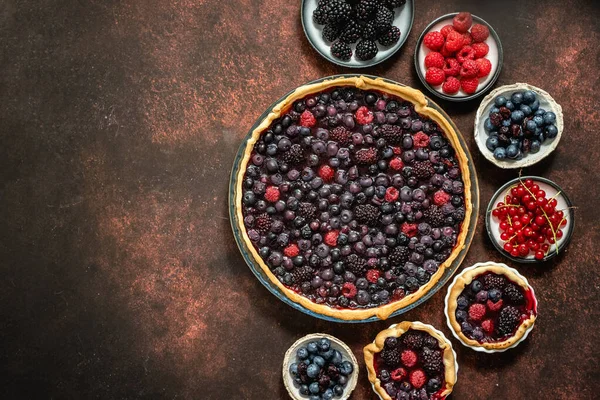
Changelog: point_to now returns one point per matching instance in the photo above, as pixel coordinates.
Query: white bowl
(479, 348)
(336, 344)
(546, 102)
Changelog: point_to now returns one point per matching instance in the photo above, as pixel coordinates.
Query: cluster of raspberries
(457, 57)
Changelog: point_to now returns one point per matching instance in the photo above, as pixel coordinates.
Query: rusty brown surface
(119, 124)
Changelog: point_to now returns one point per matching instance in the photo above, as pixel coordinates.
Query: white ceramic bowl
(479, 348)
(546, 102)
(336, 344)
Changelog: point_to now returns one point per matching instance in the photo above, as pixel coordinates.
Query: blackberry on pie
(352, 220)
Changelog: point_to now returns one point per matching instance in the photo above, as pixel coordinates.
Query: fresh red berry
(435, 76)
(417, 378)
(272, 194)
(469, 69)
(373, 275)
(481, 49)
(396, 164)
(467, 39)
(480, 32)
(488, 326)
(446, 30)
(307, 119)
(420, 139)
(466, 53)
(469, 85)
(485, 67)
(440, 198)
(494, 306)
(434, 59)
(539, 255)
(397, 150)
(446, 53)
(398, 374)
(452, 67)
(331, 238)
(477, 311)
(409, 358)
(433, 40)
(292, 250)
(451, 86)
(409, 230)
(391, 194)
(454, 41)
(326, 173)
(363, 115)
(462, 22)
(349, 290)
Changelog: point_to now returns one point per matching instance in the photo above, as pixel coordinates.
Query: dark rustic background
(119, 123)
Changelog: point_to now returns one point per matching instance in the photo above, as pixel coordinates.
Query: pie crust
(465, 279)
(421, 107)
(450, 371)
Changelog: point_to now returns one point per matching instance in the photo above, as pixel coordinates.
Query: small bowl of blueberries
(319, 367)
(518, 125)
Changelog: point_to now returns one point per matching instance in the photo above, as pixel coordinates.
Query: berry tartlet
(354, 197)
(411, 360)
(458, 56)
(490, 307)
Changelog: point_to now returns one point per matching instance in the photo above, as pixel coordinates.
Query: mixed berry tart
(353, 194)
(491, 307)
(411, 360)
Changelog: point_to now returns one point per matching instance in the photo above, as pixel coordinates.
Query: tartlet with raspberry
(411, 360)
(490, 307)
(354, 198)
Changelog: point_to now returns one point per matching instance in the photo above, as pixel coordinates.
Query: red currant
(526, 198)
(523, 250)
(559, 234)
(534, 188)
(545, 247)
(531, 205)
(540, 220)
(508, 247)
(503, 225)
(504, 236)
(539, 255)
(514, 252)
(528, 182)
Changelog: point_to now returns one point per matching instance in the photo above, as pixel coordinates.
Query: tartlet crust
(450, 373)
(420, 102)
(465, 279)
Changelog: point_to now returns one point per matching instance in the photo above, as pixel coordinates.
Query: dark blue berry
(512, 151)
(549, 118)
(476, 286)
(500, 153)
(491, 143)
(517, 98)
(500, 101)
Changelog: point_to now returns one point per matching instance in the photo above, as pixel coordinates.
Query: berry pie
(491, 306)
(352, 196)
(411, 360)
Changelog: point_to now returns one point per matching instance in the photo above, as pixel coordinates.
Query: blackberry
(513, 294)
(365, 9)
(391, 133)
(367, 214)
(390, 37)
(356, 265)
(399, 255)
(434, 216)
(394, 3)
(432, 361)
(263, 223)
(366, 156)
(423, 169)
(306, 210)
(331, 32)
(366, 50)
(351, 32)
(493, 281)
(413, 340)
(338, 11)
(302, 274)
(370, 31)
(391, 357)
(508, 320)
(383, 19)
(341, 135)
(341, 51)
(294, 155)
(321, 13)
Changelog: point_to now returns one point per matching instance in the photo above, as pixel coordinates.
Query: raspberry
(373, 275)
(307, 119)
(433, 40)
(292, 250)
(396, 164)
(454, 41)
(434, 59)
(467, 39)
(417, 378)
(331, 238)
(409, 358)
(409, 230)
(481, 49)
(326, 173)
(469, 69)
(466, 53)
(446, 53)
(469, 85)
(435, 76)
(420, 140)
(363, 115)
(451, 86)
(391, 194)
(272, 194)
(494, 306)
(446, 30)
(488, 326)
(397, 150)
(462, 22)
(398, 374)
(452, 67)
(485, 67)
(477, 312)
(349, 290)
(440, 198)
(480, 33)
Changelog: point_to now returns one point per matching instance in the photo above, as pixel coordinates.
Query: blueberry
(476, 286)
(491, 143)
(327, 354)
(314, 397)
(304, 390)
(526, 110)
(494, 295)
(529, 96)
(540, 111)
(517, 116)
(510, 105)
(551, 131)
(328, 394)
(549, 118)
(302, 353)
(433, 385)
(512, 151)
(337, 358)
(517, 98)
(488, 125)
(346, 368)
(531, 125)
(466, 327)
(313, 370)
(500, 153)
(320, 361)
(338, 390)
(482, 296)
(538, 120)
(314, 388)
(535, 146)
(477, 333)
(461, 315)
(294, 369)
(462, 303)
(500, 101)
(506, 123)
(535, 105)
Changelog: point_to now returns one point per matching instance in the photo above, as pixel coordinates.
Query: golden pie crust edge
(465, 279)
(450, 373)
(364, 83)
